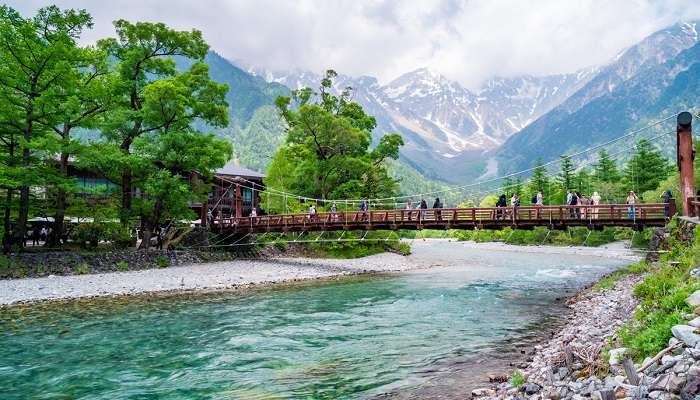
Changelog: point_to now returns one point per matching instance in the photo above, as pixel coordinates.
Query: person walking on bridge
(437, 206)
(364, 207)
(501, 205)
(632, 199)
(409, 208)
(595, 200)
(515, 203)
(423, 209)
(334, 212)
(539, 202)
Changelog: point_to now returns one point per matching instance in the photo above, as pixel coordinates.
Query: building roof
(232, 169)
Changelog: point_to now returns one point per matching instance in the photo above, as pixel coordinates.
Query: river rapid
(392, 335)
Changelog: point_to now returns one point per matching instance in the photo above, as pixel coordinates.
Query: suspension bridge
(389, 214)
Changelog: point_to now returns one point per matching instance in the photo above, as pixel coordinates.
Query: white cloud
(467, 41)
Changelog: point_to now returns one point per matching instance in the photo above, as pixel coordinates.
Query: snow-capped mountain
(441, 120)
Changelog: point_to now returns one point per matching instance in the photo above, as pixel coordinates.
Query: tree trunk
(21, 226)
(150, 223)
(59, 217)
(6, 236)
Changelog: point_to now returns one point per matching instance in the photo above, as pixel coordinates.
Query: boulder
(694, 299)
(531, 388)
(695, 322)
(617, 355)
(691, 388)
(686, 334)
(695, 273)
(697, 310)
(676, 384)
(661, 383)
(483, 392)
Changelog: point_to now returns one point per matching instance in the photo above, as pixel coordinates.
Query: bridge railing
(541, 215)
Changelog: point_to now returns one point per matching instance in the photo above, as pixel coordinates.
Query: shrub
(122, 266)
(162, 261)
(517, 378)
(82, 269)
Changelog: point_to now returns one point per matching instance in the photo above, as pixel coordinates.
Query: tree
(86, 89)
(327, 153)
(647, 168)
(35, 55)
(582, 182)
(605, 169)
(144, 55)
(566, 175)
(539, 180)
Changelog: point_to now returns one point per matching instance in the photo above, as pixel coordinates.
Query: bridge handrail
(467, 214)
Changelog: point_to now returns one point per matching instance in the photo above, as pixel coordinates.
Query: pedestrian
(159, 238)
(667, 196)
(43, 234)
(437, 205)
(515, 203)
(36, 235)
(501, 205)
(409, 208)
(585, 202)
(364, 207)
(632, 199)
(334, 212)
(423, 209)
(210, 217)
(539, 202)
(595, 200)
(577, 199)
(254, 215)
(312, 213)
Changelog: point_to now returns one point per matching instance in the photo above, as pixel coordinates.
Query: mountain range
(455, 135)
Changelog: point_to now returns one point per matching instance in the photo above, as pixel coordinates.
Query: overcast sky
(467, 41)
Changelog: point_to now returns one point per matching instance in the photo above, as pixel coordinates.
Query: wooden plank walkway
(553, 217)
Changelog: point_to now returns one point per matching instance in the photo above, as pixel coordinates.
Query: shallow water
(353, 338)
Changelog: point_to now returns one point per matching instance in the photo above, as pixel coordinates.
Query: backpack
(534, 199)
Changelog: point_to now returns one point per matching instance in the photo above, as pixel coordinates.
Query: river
(362, 337)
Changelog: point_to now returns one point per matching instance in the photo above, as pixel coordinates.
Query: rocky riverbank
(570, 366)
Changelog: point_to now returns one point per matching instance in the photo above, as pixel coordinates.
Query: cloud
(468, 41)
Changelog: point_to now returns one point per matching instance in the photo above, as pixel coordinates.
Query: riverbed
(358, 337)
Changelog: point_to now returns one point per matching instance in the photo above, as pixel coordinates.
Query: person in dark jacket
(500, 206)
(437, 206)
(423, 208)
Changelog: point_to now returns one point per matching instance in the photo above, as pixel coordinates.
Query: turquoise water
(353, 338)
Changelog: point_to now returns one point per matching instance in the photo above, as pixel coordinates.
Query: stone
(681, 367)
(692, 353)
(695, 273)
(676, 384)
(483, 392)
(697, 310)
(695, 322)
(658, 395)
(617, 355)
(686, 334)
(694, 370)
(660, 383)
(531, 388)
(694, 299)
(691, 388)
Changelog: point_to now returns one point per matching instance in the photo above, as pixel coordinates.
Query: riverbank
(228, 275)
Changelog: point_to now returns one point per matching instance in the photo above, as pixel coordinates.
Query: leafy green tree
(566, 175)
(87, 92)
(582, 182)
(605, 169)
(144, 53)
(539, 181)
(35, 56)
(327, 153)
(647, 168)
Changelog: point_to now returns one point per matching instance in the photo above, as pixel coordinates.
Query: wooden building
(235, 191)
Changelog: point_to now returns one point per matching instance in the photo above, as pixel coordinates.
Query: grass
(162, 262)
(662, 304)
(82, 269)
(122, 266)
(517, 379)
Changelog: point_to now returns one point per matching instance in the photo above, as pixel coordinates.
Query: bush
(517, 379)
(162, 261)
(82, 269)
(88, 235)
(122, 266)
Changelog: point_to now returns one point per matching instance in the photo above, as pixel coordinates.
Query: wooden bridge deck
(554, 217)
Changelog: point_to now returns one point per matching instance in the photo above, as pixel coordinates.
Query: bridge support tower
(684, 158)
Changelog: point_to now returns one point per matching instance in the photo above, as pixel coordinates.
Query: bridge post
(684, 159)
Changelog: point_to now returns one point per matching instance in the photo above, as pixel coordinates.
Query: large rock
(695, 322)
(676, 383)
(483, 392)
(691, 388)
(686, 334)
(617, 355)
(661, 383)
(531, 388)
(694, 299)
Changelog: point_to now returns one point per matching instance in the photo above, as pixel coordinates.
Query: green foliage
(609, 281)
(122, 266)
(162, 261)
(82, 269)
(605, 169)
(327, 153)
(662, 296)
(566, 175)
(517, 379)
(647, 168)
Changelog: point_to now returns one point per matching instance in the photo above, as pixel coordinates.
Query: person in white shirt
(595, 199)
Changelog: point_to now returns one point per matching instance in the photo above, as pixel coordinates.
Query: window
(247, 197)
